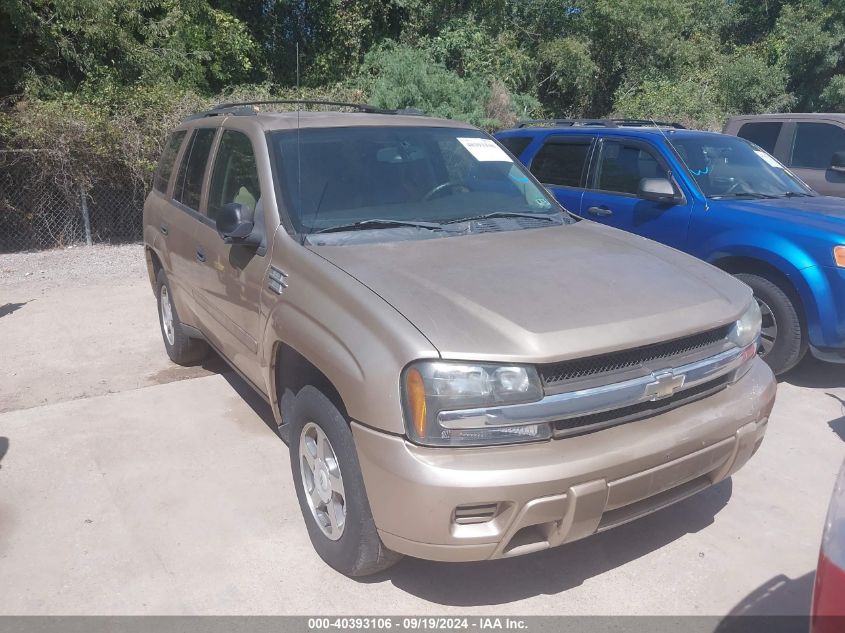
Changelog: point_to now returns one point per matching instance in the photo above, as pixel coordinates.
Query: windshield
(336, 178)
(730, 167)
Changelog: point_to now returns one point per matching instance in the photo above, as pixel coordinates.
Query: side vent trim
(277, 281)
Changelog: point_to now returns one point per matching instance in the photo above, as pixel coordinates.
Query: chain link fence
(43, 208)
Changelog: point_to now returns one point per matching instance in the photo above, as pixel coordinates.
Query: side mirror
(837, 163)
(658, 190)
(233, 223)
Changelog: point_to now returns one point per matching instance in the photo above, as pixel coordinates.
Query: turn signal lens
(416, 399)
(839, 256)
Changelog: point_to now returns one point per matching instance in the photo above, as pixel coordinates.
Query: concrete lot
(131, 486)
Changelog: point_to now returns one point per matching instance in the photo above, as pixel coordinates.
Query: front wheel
(783, 341)
(330, 488)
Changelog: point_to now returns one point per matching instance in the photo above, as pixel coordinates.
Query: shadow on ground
(4, 448)
(814, 373)
(211, 364)
(258, 404)
(554, 571)
(8, 308)
(779, 596)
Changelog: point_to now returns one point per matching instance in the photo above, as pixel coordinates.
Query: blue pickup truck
(717, 197)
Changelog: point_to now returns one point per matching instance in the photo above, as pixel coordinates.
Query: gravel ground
(80, 322)
(80, 265)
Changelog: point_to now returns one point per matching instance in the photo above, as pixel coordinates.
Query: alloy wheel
(322, 481)
(769, 330)
(167, 315)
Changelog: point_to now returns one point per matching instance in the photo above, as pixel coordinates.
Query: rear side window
(235, 175)
(763, 134)
(165, 163)
(621, 167)
(516, 144)
(815, 143)
(192, 170)
(561, 163)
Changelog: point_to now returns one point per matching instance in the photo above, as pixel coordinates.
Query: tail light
(828, 613)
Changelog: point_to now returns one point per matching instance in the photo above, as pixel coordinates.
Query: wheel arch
(756, 265)
(290, 372)
(153, 264)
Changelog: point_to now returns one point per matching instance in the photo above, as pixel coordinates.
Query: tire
(348, 541)
(182, 349)
(785, 345)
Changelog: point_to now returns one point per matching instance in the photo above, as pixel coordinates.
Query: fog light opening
(531, 538)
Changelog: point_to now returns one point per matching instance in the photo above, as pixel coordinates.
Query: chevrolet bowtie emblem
(664, 385)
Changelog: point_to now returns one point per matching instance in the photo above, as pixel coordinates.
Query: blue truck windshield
(728, 167)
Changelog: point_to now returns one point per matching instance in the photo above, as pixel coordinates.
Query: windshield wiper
(379, 223)
(796, 194)
(509, 214)
(745, 194)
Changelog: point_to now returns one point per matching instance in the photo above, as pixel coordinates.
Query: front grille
(597, 421)
(641, 357)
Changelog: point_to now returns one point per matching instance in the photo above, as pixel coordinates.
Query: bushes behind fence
(103, 147)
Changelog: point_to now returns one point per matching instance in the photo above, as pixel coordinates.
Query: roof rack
(611, 123)
(250, 108)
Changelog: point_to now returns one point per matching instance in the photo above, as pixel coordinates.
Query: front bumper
(463, 504)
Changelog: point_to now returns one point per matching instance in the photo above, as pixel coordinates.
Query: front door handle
(602, 212)
(200, 255)
(163, 229)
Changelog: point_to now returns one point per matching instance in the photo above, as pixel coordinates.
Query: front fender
(819, 300)
(354, 337)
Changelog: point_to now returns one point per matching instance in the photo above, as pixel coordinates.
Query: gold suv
(462, 369)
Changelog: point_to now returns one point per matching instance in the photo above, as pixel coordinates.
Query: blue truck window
(621, 167)
(561, 164)
(516, 144)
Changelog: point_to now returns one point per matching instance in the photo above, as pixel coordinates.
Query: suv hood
(541, 295)
(825, 212)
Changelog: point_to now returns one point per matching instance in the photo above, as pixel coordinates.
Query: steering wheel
(443, 187)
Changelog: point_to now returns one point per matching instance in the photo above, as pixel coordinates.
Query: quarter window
(561, 164)
(815, 144)
(235, 175)
(168, 157)
(621, 167)
(192, 171)
(516, 144)
(763, 134)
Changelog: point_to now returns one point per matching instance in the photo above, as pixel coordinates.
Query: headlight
(745, 334)
(747, 329)
(430, 387)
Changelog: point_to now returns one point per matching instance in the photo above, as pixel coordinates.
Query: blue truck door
(561, 165)
(611, 196)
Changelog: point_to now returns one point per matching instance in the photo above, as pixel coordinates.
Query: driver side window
(235, 175)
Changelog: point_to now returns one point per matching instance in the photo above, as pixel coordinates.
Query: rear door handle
(200, 255)
(602, 212)
(163, 229)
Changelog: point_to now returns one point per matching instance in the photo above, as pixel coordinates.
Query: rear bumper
(536, 496)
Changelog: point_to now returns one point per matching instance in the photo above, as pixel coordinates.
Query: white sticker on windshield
(770, 160)
(483, 149)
